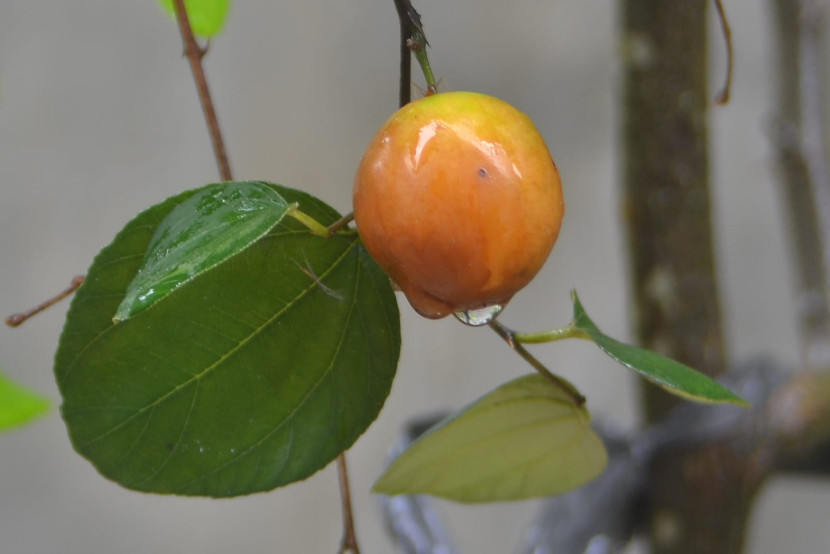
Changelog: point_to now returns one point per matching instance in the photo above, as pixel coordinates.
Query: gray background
(99, 119)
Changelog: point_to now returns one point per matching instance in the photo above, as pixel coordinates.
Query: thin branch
(805, 185)
(349, 544)
(811, 65)
(17, 319)
(405, 14)
(194, 54)
(723, 96)
(341, 223)
(508, 335)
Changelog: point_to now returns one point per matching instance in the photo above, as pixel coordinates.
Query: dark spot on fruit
(482, 172)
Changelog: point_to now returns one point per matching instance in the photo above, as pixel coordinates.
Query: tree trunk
(698, 499)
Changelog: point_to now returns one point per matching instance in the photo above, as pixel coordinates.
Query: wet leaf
(672, 376)
(206, 16)
(252, 375)
(18, 405)
(523, 440)
(205, 230)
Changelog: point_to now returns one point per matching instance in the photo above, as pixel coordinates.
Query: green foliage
(672, 376)
(252, 375)
(18, 405)
(523, 440)
(206, 16)
(205, 230)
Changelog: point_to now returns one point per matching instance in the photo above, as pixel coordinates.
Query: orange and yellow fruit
(459, 201)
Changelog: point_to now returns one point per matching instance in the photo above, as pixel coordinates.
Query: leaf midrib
(195, 377)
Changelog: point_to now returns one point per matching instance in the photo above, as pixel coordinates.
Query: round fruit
(459, 201)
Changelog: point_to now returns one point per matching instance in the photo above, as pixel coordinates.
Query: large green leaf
(18, 405)
(211, 226)
(523, 440)
(254, 374)
(206, 16)
(672, 376)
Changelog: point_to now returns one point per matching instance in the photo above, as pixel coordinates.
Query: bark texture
(666, 197)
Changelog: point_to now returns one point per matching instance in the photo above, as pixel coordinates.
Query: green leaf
(205, 230)
(253, 375)
(523, 440)
(206, 16)
(18, 405)
(672, 376)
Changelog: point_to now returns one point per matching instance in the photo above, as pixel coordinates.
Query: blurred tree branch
(699, 497)
(799, 137)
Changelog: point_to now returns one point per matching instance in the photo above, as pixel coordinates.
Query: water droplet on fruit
(477, 318)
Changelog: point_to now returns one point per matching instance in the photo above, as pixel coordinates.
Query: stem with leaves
(512, 339)
(413, 41)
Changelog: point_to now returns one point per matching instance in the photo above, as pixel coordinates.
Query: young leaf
(523, 440)
(214, 224)
(252, 375)
(18, 405)
(672, 376)
(206, 16)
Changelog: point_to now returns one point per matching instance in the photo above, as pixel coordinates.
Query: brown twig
(194, 54)
(723, 96)
(507, 335)
(15, 320)
(410, 21)
(340, 224)
(349, 544)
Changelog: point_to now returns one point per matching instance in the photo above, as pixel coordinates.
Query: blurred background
(99, 119)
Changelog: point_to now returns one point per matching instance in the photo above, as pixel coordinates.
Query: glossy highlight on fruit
(459, 201)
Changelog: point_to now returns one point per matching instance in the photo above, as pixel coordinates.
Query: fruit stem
(509, 337)
(340, 224)
(311, 224)
(418, 44)
(413, 41)
(551, 335)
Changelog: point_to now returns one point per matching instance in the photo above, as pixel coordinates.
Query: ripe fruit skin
(459, 201)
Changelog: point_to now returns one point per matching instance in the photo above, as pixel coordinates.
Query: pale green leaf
(523, 440)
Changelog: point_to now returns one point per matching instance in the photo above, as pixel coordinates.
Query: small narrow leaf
(18, 405)
(206, 16)
(525, 439)
(672, 376)
(205, 230)
(252, 375)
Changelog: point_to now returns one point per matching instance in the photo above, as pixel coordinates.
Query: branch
(723, 96)
(699, 446)
(349, 543)
(17, 319)
(194, 54)
(666, 187)
(408, 18)
(805, 183)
